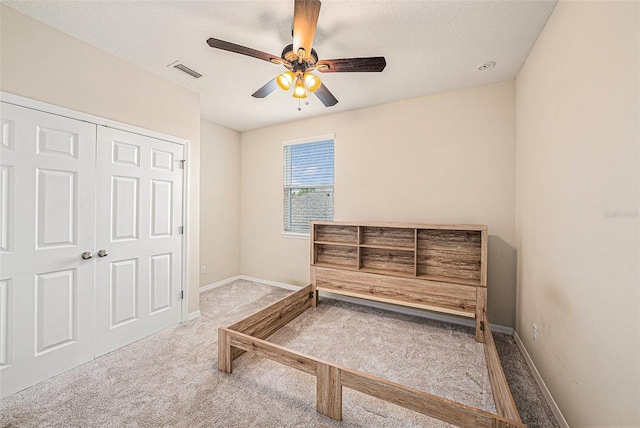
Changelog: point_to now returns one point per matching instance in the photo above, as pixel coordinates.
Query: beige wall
(219, 202)
(577, 160)
(441, 158)
(47, 65)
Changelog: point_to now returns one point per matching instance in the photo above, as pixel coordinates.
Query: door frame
(100, 121)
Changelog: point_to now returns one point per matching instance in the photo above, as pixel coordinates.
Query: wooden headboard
(438, 267)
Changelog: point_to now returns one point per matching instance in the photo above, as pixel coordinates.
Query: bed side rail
(505, 404)
(266, 322)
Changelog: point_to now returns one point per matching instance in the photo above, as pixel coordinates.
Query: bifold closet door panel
(138, 230)
(47, 218)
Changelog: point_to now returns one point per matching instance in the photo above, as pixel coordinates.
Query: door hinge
(181, 294)
(182, 162)
(180, 230)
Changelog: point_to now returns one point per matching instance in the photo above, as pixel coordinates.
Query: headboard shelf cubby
(451, 253)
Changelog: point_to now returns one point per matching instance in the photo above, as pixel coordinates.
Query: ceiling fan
(300, 59)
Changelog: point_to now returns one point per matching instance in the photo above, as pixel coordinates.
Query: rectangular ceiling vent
(180, 66)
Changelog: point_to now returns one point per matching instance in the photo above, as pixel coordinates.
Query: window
(308, 182)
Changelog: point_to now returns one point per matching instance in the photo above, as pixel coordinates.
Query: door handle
(103, 253)
(86, 255)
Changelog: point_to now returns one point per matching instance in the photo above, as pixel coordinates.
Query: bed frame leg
(481, 309)
(329, 391)
(314, 288)
(224, 351)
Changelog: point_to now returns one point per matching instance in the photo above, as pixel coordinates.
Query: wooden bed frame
(429, 266)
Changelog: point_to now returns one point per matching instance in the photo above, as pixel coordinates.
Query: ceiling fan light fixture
(299, 90)
(285, 80)
(313, 82)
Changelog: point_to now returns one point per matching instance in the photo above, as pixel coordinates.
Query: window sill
(295, 235)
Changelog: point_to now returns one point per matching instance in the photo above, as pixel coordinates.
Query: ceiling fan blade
(232, 47)
(374, 63)
(326, 96)
(266, 89)
(305, 19)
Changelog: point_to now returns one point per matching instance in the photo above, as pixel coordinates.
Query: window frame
(295, 142)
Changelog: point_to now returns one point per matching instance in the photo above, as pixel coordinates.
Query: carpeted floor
(171, 378)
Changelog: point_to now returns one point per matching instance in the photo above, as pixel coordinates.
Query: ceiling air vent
(180, 66)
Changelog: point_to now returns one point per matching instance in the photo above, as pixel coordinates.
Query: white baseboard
(543, 387)
(497, 328)
(394, 308)
(219, 283)
(194, 315)
(273, 283)
(417, 312)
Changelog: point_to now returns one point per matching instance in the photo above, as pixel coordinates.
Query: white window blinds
(308, 184)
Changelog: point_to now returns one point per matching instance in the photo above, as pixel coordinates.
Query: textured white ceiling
(430, 47)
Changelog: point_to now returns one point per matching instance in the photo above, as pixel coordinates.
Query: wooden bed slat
(273, 352)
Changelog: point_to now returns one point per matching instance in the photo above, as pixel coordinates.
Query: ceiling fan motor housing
(297, 66)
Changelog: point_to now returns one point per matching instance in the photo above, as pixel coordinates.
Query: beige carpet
(171, 378)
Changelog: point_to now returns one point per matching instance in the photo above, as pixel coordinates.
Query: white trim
(185, 232)
(32, 104)
(273, 283)
(295, 235)
(543, 387)
(194, 315)
(393, 308)
(305, 140)
(219, 283)
(503, 329)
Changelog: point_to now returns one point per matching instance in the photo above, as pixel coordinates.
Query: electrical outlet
(203, 269)
(535, 333)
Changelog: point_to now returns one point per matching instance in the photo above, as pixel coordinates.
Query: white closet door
(47, 179)
(139, 216)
